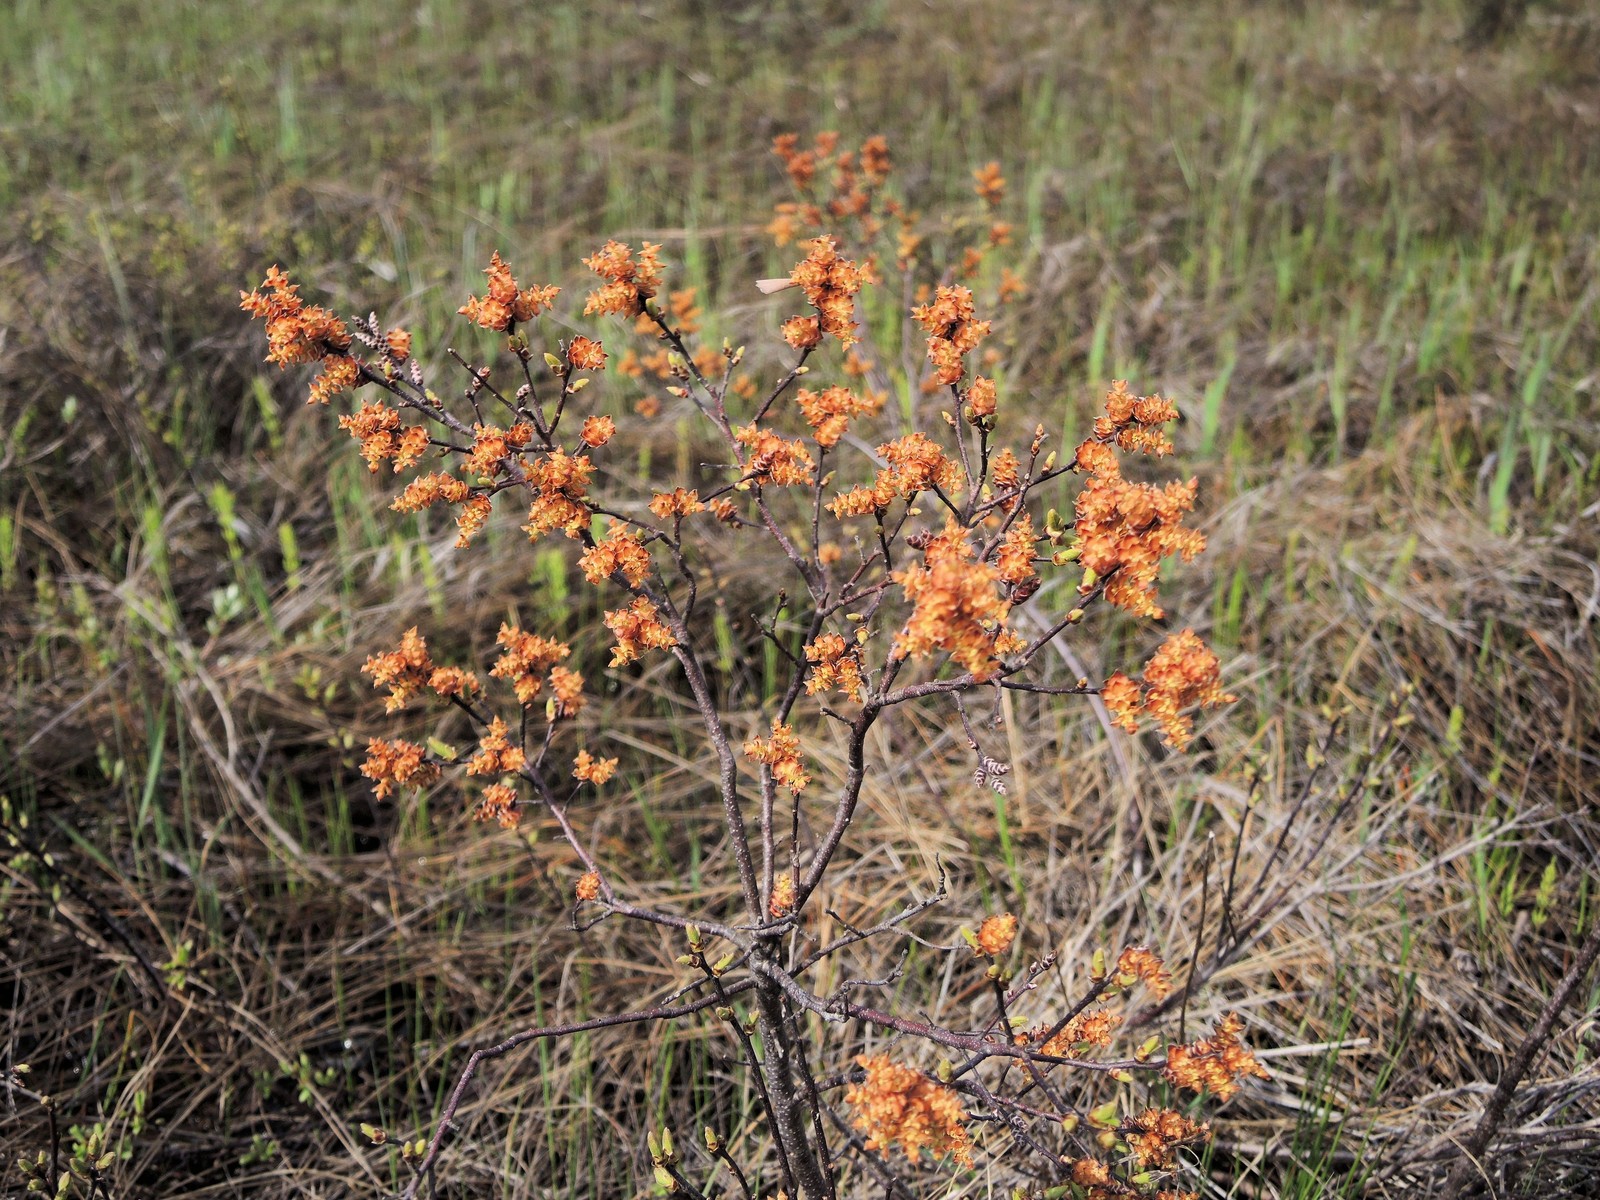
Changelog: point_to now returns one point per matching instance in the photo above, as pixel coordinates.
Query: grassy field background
(1360, 257)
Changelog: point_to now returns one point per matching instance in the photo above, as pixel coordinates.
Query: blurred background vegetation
(1357, 247)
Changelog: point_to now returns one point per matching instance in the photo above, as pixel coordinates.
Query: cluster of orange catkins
(834, 664)
(899, 1104)
(989, 183)
(872, 162)
(586, 354)
(524, 662)
(781, 902)
(802, 164)
(830, 284)
(586, 768)
(1095, 1182)
(1141, 964)
(637, 628)
(781, 752)
(1152, 1138)
(496, 755)
(492, 447)
(1134, 422)
(1182, 674)
(1155, 1135)
(679, 502)
(996, 934)
(596, 431)
(1093, 1028)
(1005, 473)
(560, 482)
(429, 489)
(1089, 1030)
(1214, 1064)
(982, 399)
(397, 764)
(1126, 529)
(773, 459)
(505, 301)
(298, 332)
(1016, 556)
(622, 552)
(408, 669)
(499, 804)
(856, 179)
(630, 281)
(684, 311)
(436, 486)
(378, 428)
(953, 331)
(830, 411)
(957, 605)
(916, 464)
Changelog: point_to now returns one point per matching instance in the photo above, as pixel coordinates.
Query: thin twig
(1472, 1150)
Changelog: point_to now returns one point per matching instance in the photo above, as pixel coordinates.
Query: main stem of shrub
(788, 1121)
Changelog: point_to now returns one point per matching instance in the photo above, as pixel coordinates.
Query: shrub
(910, 557)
